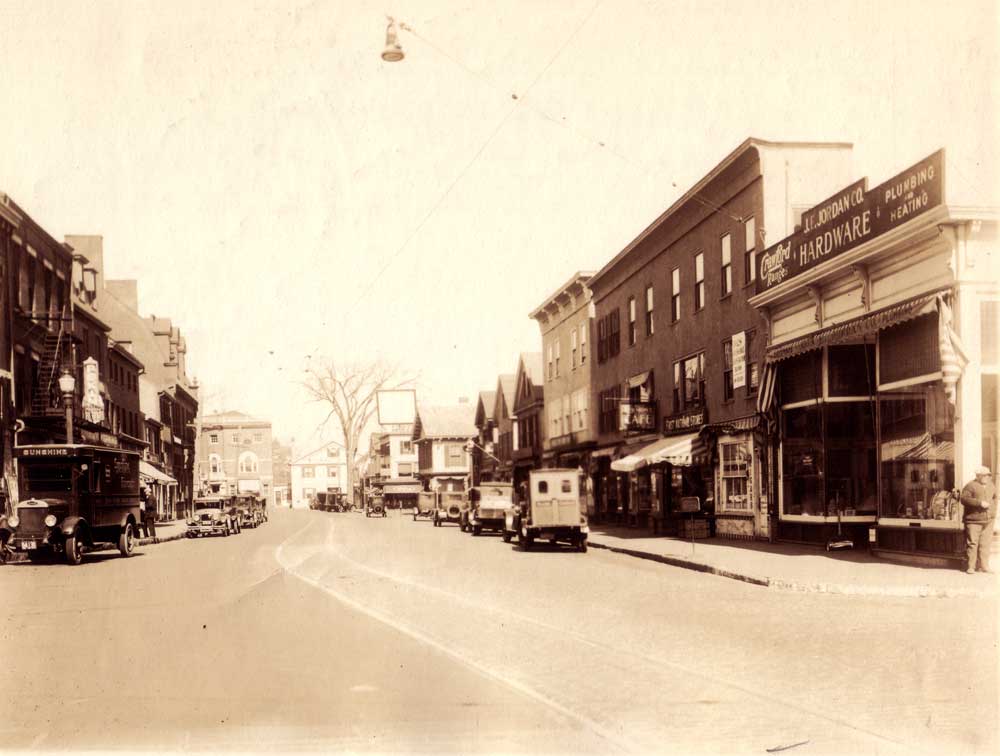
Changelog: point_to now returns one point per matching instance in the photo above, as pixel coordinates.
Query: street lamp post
(67, 386)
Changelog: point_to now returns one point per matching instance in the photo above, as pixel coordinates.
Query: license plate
(29, 545)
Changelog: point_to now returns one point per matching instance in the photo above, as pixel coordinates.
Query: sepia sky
(285, 195)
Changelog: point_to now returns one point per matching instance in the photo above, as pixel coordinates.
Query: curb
(903, 591)
(18, 557)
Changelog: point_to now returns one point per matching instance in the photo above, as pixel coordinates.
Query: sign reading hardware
(852, 217)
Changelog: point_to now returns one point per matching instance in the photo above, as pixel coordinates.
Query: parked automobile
(488, 506)
(213, 515)
(74, 497)
(449, 507)
(248, 511)
(375, 507)
(552, 511)
(426, 505)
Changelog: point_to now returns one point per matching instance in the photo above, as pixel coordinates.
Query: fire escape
(46, 401)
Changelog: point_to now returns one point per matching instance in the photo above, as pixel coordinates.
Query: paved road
(336, 632)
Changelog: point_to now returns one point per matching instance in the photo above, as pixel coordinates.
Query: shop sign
(689, 504)
(852, 217)
(684, 421)
(739, 359)
(637, 417)
(567, 439)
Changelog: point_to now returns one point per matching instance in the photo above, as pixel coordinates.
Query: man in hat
(979, 502)
(148, 506)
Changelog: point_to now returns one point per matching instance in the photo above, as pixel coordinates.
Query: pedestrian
(979, 504)
(148, 505)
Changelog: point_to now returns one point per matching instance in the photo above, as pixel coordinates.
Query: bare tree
(348, 391)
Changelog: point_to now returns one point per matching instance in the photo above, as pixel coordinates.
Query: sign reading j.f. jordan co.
(851, 217)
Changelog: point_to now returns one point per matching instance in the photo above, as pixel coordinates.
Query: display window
(917, 453)
(829, 452)
(734, 461)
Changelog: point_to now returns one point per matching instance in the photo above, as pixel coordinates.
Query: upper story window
(406, 446)
(583, 342)
(631, 321)
(213, 438)
(258, 438)
(608, 336)
(607, 418)
(689, 382)
(549, 363)
(333, 452)
(558, 350)
(332, 472)
(248, 462)
(308, 471)
(675, 295)
(750, 256)
(572, 349)
(214, 464)
(649, 310)
(454, 455)
(234, 438)
(699, 281)
(727, 265)
(727, 369)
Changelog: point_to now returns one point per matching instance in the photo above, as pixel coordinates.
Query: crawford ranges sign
(851, 217)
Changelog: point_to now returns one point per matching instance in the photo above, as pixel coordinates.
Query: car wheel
(583, 546)
(506, 535)
(477, 530)
(126, 541)
(74, 550)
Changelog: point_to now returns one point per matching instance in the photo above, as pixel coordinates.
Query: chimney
(90, 246)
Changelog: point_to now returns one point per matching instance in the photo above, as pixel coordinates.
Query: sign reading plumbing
(851, 217)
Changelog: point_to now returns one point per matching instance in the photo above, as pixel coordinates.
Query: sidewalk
(796, 568)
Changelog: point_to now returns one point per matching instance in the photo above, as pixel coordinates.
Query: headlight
(50, 520)
(13, 521)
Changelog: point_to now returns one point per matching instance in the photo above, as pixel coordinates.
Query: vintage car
(75, 497)
(375, 507)
(426, 505)
(488, 505)
(449, 507)
(552, 511)
(248, 511)
(213, 515)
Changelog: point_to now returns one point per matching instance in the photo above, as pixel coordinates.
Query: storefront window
(802, 462)
(735, 472)
(852, 370)
(917, 454)
(850, 486)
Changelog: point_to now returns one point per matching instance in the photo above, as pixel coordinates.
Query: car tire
(126, 541)
(507, 536)
(583, 546)
(74, 550)
(477, 530)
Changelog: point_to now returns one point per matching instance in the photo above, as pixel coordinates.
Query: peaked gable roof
(319, 454)
(504, 405)
(449, 421)
(528, 385)
(486, 408)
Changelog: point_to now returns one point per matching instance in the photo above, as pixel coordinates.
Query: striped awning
(151, 474)
(851, 330)
(688, 449)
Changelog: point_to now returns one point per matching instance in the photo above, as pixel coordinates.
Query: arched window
(248, 462)
(214, 464)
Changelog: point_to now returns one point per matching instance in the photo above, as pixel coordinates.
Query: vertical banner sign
(739, 359)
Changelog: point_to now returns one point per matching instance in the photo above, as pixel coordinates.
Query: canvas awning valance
(150, 473)
(683, 450)
(852, 330)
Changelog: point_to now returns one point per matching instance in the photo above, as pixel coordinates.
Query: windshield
(46, 478)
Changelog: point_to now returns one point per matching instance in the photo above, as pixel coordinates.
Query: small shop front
(877, 376)
(655, 478)
(740, 475)
(401, 492)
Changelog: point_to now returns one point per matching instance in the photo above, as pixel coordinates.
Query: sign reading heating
(396, 406)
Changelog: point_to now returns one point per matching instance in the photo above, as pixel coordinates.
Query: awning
(739, 425)
(925, 448)
(149, 472)
(638, 380)
(678, 450)
(401, 487)
(851, 330)
(248, 485)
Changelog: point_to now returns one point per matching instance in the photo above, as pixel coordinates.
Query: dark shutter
(909, 350)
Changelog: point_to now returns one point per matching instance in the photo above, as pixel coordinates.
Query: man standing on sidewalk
(979, 501)
(148, 502)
